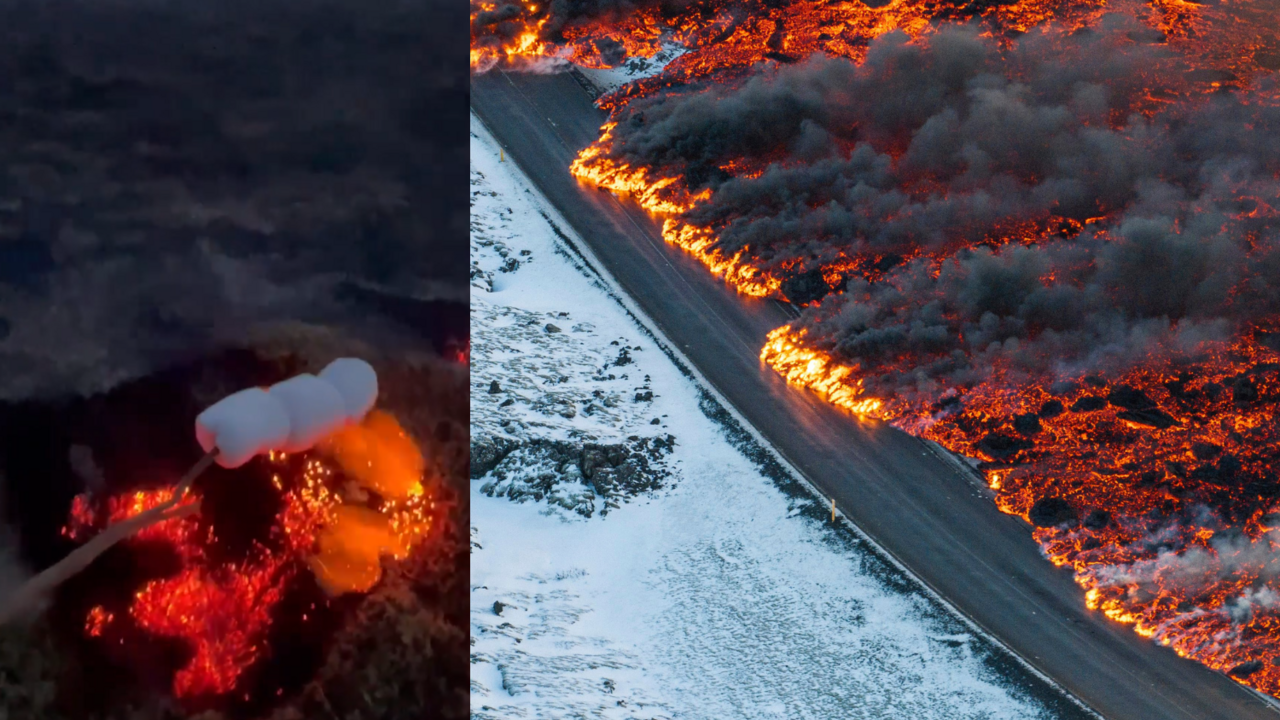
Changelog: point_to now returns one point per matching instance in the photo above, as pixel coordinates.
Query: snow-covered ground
(685, 581)
(634, 68)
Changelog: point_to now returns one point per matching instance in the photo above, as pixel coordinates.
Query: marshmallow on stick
(290, 416)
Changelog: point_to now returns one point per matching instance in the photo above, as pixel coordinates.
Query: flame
(224, 611)
(816, 371)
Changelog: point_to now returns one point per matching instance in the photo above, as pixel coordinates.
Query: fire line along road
(918, 506)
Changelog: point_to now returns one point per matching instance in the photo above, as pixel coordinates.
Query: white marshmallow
(243, 425)
(357, 381)
(315, 409)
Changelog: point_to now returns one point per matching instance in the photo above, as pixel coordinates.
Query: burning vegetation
(1042, 234)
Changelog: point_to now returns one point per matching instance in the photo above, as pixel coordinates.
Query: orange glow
(1102, 460)
(224, 610)
(97, 620)
(816, 371)
(840, 29)
(350, 550)
(379, 455)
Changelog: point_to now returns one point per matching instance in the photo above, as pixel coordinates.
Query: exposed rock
(1051, 512)
(487, 452)
(1243, 390)
(1226, 471)
(549, 328)
(1088, 404)
(1130, 398)
(1027, 424)
(1154, 417)
(1245, 669)
(805, 287)
(1097, 519)
(1002, 447)
(1205, 451)
(1051, 409)
(575, 476)
(494, 387)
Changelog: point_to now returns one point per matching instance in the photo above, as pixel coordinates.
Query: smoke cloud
(972, 175)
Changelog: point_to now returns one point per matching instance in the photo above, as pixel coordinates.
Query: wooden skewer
(28, 597)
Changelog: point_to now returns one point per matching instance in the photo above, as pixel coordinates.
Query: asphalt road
(936, 521)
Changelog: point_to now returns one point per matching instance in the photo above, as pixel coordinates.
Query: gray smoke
(930, 147)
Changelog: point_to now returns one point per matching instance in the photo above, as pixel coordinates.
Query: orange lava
(816, 371)
(224, 610)
(1190, 547)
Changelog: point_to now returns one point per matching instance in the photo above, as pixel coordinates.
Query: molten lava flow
(380, 457)
(816, 371)
(224, 610)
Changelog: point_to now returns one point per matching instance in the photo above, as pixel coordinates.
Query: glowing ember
(97, 620)
(224, 610)
(816, 371)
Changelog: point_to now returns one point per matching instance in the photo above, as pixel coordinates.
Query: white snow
(713, 597)
(634, 68)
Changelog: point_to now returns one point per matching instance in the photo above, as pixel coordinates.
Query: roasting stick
(292, 416)
(39, 587)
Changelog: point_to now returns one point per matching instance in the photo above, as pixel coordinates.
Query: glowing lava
(224, 610)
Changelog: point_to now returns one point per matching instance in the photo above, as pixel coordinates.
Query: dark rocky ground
(573, 475)
(192, 193)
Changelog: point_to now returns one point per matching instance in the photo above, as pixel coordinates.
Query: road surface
(936, 521)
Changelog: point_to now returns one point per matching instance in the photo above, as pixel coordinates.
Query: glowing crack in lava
(1047, 240)
(224, 610)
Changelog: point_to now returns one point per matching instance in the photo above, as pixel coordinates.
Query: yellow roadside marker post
(833, 509)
